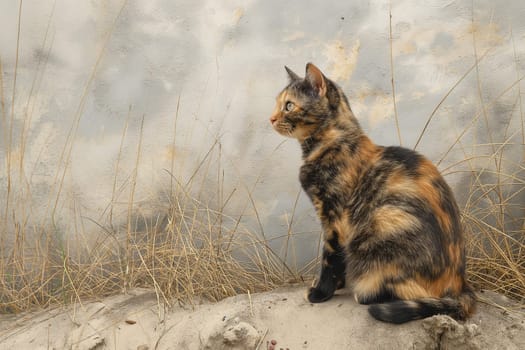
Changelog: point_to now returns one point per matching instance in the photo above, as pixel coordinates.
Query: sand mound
(138, 321)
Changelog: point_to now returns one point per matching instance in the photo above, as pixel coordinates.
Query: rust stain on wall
(342, 60)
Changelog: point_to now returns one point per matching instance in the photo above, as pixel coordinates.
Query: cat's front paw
(316, 295)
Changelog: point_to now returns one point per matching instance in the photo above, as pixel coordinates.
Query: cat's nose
(273, 119)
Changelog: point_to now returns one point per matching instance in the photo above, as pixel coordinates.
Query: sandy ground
(138, 321)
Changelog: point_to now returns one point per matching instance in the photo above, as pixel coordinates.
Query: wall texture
(84, 84)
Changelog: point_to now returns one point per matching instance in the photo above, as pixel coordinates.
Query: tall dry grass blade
(484, 111)
(478, 81)
(289, 231)
(201, 163)
(129, 236)
(3, 226)
(475, 118)
(35, 87)
(445, 97)
(117, 169)
(9, 152)
(173, 145)
(2, 106)
(517, 62)
(392, 79)
(65, 155)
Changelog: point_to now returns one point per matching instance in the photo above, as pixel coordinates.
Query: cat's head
(296, 106)
(306, 104)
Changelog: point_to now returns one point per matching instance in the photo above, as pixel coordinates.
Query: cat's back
(405, 179)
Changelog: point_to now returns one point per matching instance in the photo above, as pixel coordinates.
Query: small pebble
(130, 322)
(273, 342)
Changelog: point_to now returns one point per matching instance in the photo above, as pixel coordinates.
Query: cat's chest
(317, 179)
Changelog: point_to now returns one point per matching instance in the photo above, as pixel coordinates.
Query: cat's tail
(402, 311)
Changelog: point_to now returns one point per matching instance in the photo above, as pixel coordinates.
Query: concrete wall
(203, 75)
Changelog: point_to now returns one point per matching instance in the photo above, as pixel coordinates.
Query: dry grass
(191, 249)
(494, 201)
(494, 218)
(493, 173)
(187, 250)
(494, 214)
(182, 253)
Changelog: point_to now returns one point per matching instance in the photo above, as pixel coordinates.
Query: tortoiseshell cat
(391, 224)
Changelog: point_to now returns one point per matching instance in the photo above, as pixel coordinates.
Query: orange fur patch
(410, 289)
(344, 228)
(368, 151)
(389, 220)
(373, 281)
(455, 254)
(449, 282)
(398, 182)
(431, 194)
(349, 175)
(329, 137)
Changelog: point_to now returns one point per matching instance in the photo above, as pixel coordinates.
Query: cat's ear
(291, 74)
(316, 79)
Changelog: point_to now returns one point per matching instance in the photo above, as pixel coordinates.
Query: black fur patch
(404, 311)
(332, 272)
(409, 159)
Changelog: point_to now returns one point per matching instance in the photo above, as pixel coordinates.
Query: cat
(391, 225)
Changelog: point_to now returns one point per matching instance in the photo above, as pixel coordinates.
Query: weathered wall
(203, 76)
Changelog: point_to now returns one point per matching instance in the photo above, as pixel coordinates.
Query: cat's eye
(289, 106)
